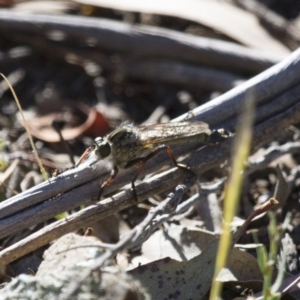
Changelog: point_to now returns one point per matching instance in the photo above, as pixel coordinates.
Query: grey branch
(270, 155)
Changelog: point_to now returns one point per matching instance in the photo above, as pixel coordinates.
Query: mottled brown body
(130, 145)
(130, 142)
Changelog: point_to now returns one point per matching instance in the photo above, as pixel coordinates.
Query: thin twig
(44, 173)
(270, 155)
(137, 235)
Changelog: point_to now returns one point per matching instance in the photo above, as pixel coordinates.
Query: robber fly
(130, 145)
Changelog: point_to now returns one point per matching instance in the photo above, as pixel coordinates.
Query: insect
(130, 145)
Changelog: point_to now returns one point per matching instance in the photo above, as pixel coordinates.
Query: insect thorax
(126, 146)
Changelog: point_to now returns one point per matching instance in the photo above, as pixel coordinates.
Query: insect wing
(167, 132)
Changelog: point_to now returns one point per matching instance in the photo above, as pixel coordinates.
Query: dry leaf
(95, 125)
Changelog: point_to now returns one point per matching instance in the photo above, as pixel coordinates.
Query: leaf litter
(88, 93)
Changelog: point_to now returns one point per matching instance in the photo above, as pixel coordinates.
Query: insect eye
(102, 147)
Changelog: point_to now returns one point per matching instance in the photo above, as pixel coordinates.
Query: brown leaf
(95, 125)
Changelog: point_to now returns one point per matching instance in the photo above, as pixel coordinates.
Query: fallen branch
(136, 40)
(200, 161)
(80, 186)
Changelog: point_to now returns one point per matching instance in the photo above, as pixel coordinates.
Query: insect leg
(142, 162)
(84, 155)
(175, 163)
(107, 182)
(139, 171)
